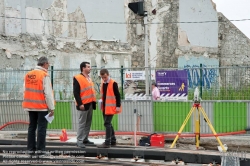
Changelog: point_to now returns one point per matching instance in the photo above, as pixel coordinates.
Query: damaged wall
(168, 40)
(67, 35)
(2, 20)
(103, 11)
(198, 42)
(234, 46)
(162, 35)
(22, 53)
(57, 17)
(198, 34)
(32, 47)
(69, 40)
(234, 50)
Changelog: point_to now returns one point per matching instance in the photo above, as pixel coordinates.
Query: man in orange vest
(111, 105)
(84, 94)
(38, 101)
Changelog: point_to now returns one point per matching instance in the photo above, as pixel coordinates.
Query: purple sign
(172, 84)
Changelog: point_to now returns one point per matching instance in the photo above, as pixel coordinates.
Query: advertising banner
(172, 84)
(134, 85)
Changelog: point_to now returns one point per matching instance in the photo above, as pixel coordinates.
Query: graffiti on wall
(208, 78)
(210, 72)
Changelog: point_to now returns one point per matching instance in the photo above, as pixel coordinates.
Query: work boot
(103, 145)
(113, 143)
(88, 142)
(80, 145)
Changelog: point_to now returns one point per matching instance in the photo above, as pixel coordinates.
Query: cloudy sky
(235, 10)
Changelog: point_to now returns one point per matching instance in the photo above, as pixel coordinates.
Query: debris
(7, 52)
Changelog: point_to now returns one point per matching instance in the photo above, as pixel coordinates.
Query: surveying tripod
(197, 106)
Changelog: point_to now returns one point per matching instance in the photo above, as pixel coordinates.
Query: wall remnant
(234, 46)
(63, 29)
(78, 28)
(2, 14)
(199, 34)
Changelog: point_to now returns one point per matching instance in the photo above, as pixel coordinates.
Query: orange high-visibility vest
(34, 97)
(110, 103)
(87, 91)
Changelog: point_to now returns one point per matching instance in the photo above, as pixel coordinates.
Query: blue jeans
(37, 119)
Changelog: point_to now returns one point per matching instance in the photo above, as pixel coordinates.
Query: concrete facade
(64, 31)
(60, 28)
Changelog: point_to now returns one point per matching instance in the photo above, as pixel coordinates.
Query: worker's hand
(117, 109)
(51, 113)
(82, 107)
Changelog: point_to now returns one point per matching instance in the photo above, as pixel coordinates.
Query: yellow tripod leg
(197, 129)
(182, 127)
(212, 128)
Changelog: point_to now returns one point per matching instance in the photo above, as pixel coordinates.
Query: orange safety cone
(63, 136)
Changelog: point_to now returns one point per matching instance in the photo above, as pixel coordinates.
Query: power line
(107, 22)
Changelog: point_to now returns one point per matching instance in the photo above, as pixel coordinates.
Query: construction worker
(155, 92)
(84, 94)
(111, 104)
(38, 101)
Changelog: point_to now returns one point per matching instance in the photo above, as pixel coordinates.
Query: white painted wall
(199, 34)
(102, 11)
(93, 10)
(13, 27)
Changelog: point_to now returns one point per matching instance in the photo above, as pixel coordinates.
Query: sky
(236, 10)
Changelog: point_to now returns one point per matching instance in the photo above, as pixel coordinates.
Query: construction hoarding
(172, 84)
(134, 84)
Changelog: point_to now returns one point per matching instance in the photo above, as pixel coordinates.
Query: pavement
(237, 144)
(233, 142)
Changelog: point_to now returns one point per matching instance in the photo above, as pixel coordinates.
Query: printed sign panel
(172, 84)
(134, 85)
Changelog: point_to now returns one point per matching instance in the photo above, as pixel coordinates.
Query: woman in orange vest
(111, 105)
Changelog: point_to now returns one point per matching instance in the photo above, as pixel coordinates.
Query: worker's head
(43, 62)
(153, 85)
(104, 73)
(85, 67)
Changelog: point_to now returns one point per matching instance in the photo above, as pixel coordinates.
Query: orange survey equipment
(157, 140)
(63, 136)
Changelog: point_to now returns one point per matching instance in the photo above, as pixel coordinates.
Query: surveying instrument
(197, 107)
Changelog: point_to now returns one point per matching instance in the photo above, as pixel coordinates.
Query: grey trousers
(84, 124)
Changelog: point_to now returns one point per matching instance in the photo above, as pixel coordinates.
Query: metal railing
(225, 94)
(221, 83)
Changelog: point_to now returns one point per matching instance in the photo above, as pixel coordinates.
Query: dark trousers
(37, 119)
(110, 134)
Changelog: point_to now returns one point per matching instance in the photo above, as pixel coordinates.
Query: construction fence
(215, 83)
(225, 99)
(150, 116)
